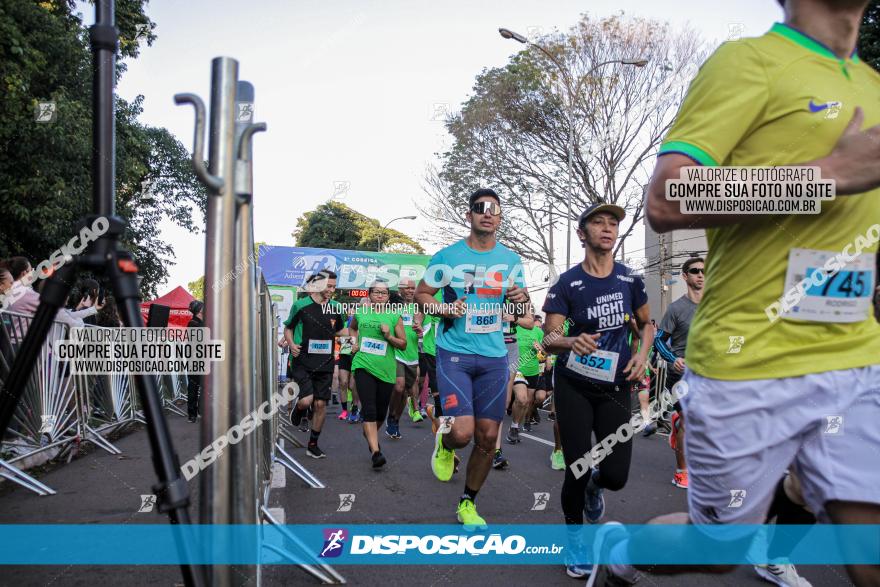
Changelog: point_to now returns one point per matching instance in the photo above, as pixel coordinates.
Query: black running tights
(582, 411)
(375, 395)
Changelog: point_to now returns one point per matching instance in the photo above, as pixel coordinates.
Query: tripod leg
(171, 492)
(53, 296)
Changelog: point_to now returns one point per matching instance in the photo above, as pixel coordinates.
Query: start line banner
(424, 544)
(291, 266)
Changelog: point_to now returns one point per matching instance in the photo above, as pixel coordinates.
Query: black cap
(612, 209)
(481, 193)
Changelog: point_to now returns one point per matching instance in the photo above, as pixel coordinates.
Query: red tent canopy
(178, 300)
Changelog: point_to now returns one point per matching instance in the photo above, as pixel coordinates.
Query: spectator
(108, 315)
(194, 385)
(21, 297)
(5, 280)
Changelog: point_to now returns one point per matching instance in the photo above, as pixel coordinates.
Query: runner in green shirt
(528, 370)
(405, 390)
(378, 332)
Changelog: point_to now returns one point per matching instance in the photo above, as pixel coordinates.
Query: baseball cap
(615, 211)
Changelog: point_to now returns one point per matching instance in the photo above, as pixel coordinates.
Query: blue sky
(350, 89)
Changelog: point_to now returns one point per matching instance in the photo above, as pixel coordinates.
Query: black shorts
(317, 383)
(428, 366)
(531, 380)
(547, 380)
(344, 362)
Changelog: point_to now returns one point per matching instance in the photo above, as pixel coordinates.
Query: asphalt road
(101, 488)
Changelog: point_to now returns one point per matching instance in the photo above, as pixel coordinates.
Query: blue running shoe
(392, 429)
(594, 504)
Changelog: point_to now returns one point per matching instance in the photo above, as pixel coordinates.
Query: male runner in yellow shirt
(767, 384)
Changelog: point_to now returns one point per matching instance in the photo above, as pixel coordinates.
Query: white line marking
(278, 514)
(547, 442)
(279, 477)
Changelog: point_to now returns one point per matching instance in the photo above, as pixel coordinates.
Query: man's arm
(854, 164)
(664, 336)
(428, 303)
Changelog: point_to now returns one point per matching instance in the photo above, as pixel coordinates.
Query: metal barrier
(238, 311)
(58, 410)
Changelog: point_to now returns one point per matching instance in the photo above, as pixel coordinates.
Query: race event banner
(291, 266)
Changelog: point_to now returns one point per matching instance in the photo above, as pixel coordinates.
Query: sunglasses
(695, 271)
(493, 208)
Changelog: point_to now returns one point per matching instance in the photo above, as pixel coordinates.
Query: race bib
(374, 346)
(407, 319)
(815, 294)
(601, 365)
(345, 343)
(320, 347)
(481, 321)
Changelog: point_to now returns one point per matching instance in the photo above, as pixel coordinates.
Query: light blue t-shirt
(482, 276)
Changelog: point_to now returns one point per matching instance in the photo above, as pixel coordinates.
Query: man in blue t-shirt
(477, 275)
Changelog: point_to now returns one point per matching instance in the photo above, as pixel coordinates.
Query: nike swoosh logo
(818, 107)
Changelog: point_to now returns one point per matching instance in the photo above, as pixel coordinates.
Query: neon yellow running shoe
(443, 460)
(467, 515)
(557, 462)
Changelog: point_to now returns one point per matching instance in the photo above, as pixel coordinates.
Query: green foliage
(334, 225)
(197, 288)
(45, 168)
(869, 35)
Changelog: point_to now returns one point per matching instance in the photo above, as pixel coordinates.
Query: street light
(572, 98)
(382, 232)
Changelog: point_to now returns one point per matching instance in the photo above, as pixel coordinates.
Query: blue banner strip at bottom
(417, 544)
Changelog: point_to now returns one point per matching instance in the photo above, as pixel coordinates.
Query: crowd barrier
(238, 310)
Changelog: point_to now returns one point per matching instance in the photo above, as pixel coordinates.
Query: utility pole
(664, 277)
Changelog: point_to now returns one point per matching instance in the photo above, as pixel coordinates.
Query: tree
(869, 35)
(45, 168)
(197, 288)
(333, 225)
(513, 132)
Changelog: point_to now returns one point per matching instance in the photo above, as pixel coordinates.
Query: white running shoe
(783, 575)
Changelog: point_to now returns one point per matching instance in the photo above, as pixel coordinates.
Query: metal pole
(664, 292)
(552, 249)
(244, 455)
(570, 176)
(216, 499)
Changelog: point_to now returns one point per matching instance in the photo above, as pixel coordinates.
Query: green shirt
(375, 354)
(774, 100)
(409, 355)
(429, 340)
(528, 354)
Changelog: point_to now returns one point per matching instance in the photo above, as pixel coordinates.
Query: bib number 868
(484, 320)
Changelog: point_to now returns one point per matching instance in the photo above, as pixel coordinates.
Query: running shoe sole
(771, 577)
(314, 456)
(577, 574)
(471, 527)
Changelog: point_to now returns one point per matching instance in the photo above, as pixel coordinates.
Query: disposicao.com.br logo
(412, 544)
